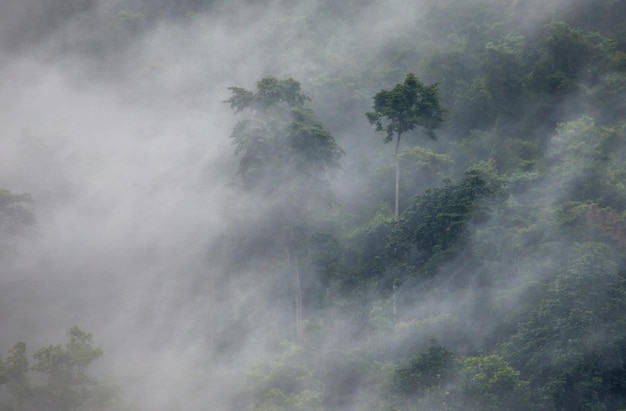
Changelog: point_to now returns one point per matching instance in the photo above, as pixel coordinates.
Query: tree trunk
(294, 263)
(397, 206)
(298, 297)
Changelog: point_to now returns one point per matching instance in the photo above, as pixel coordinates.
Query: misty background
(112, 119)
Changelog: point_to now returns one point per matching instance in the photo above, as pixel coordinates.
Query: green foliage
(509, 154)
(473, 103)
(285, 384)
(276, 400)
(14, 374)
(66, 382)
(434, 165)
(405, 107)
(587, 220)
(437, 379)
(426, 371)
(489, 383)
(402, 109)
(589, 159)
(282, 145)
(536, 114)
(424, 381)
(530, 231)
(420, 169)
(563, 58)
(287, 158)
(270, 91)
(434, 223)
(571, 348)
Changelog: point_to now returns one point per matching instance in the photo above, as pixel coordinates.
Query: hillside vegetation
(501, 282)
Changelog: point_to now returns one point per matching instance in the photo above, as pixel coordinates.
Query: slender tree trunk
(397, 206)
(294, 262)
(298, 296)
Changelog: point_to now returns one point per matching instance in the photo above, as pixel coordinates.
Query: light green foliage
(436, 379)
(285, 384)
(489, 383)
(434, 165)
(306, 400)
(589, 159)
(579, 142)
(381, 217)
(420, 169)
(508, 153)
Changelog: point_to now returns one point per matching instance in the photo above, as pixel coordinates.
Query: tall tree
(403, 108)
(286, 158)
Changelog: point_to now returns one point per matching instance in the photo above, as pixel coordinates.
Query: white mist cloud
(128, 158)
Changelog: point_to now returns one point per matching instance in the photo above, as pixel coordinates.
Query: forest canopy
(205, 184)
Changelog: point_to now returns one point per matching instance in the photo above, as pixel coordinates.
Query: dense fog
(113, 120)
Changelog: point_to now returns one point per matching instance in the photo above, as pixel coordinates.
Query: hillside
(210, 187)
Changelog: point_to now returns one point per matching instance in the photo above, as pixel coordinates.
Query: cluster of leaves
(281, 143)
(59, 378)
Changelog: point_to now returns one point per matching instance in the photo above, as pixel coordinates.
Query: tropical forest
(315, 205)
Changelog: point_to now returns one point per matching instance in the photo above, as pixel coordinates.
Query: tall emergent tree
(286, 158)
(400, 110)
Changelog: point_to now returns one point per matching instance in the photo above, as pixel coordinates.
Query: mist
(125, 149)
(112, 118)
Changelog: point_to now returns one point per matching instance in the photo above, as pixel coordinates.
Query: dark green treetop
(400, 110)
(405, 107)
(270, 91)
(282, 141)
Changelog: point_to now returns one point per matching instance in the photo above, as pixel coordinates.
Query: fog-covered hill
(195, 186)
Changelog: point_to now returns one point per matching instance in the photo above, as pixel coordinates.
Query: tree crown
(405, 107)
(283, 141)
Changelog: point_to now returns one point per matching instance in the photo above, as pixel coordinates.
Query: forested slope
(501, 283)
